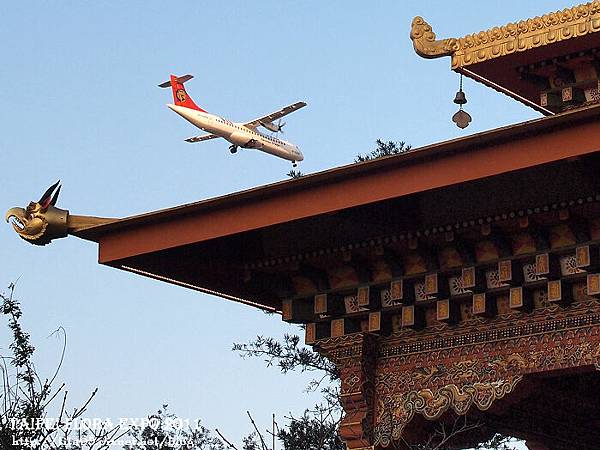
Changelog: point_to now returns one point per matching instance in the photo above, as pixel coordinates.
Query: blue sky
(80, 102)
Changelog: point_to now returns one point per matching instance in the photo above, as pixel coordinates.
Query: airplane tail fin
(180, 96)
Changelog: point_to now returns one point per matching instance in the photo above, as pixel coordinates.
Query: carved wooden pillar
(355, 355)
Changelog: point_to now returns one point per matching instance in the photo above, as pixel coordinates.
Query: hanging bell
(460, 98)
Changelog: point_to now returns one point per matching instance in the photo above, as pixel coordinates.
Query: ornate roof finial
(425, 43)
(41, 222)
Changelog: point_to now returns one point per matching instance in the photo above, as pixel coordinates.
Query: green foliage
(314, 430)
(383, 149)
(295, 174)
(288, 355)
(24, 398)
(251, 442)
(20, 346)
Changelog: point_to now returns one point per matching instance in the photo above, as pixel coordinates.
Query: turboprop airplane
(243, 135)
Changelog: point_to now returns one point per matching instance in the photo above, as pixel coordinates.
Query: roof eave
(502, 134)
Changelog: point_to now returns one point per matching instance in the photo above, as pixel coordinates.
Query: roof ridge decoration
(513, 37)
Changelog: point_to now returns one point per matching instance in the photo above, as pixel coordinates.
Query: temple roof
(499, 57)
(227, 238)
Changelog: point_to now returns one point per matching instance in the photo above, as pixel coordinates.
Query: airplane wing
(276, 115)
(203, 137)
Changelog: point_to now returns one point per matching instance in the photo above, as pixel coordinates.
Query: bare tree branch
(225, 440)
(260, 436)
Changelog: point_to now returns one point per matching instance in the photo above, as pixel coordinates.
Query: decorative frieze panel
(431, 404)
(428, 374)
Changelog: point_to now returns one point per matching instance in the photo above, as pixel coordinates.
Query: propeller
(280, 126)
(274, 127)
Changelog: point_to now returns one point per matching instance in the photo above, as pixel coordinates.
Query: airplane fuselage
(238, 134)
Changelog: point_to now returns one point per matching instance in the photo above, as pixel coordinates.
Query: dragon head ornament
(40, 221)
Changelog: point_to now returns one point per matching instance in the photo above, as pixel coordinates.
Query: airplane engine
(271, 126)
(274, 127)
